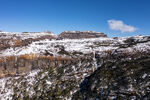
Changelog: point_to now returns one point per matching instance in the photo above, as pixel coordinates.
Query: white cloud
(119, 25)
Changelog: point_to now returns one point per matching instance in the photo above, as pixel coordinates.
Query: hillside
(48, 67)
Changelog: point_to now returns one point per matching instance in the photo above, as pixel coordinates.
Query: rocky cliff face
(80, 35)
(78, 69)
(19, 65)
(117, 80)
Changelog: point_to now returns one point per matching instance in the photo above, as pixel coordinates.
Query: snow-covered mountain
(43, 66)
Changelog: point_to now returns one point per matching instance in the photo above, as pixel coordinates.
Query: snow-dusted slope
(101, 56)
(23, 36)
(82, 45)
(79, 45)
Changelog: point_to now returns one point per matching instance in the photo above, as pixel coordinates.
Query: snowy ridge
(82, 45)
(23, 36)
(79, 45)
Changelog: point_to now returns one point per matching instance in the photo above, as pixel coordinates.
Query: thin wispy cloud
(119, 25)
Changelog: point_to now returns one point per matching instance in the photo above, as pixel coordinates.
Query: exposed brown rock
(18, 65)
(80, 34)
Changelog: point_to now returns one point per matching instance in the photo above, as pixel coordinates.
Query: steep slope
(78, 69)
(118, 80)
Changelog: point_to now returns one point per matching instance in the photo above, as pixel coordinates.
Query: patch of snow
(48, 82)
(144, 75)
(130, 88)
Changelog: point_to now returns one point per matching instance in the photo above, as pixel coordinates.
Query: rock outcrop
(80, 34)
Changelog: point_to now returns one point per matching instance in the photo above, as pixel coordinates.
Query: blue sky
(113, 17)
